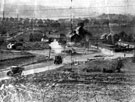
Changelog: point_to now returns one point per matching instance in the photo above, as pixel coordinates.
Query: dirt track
(73, 84)
(44, 66)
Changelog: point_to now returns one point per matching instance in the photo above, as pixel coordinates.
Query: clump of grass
(103, 66)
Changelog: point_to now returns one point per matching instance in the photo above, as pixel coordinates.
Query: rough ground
(76, 82)
(10, 54)
(73, 83)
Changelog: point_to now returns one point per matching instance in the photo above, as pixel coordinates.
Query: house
(126, 44)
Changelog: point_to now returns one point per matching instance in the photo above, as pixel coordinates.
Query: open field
(8, 54)
(74, 83)
(19, 58)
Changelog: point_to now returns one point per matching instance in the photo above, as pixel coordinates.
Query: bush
(35, 46)
(114, 65)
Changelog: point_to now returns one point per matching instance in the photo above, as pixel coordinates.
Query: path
(44, 66)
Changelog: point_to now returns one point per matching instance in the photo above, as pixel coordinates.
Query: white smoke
(56, 47)
(106, 51)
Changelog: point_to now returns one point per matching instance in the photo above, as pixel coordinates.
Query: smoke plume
(56, 47)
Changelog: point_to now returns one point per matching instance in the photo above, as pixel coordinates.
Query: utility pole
(133, 60)
(35, 8)
(71, 27)
(3, 14)
(71, 16)
(49, 56)
(3, 10)
(17, 15)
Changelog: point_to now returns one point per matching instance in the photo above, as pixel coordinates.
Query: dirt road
(44, 66)
(78, 85)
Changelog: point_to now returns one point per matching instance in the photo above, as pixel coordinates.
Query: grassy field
(17, 58)
(9, 54)
(74, 83)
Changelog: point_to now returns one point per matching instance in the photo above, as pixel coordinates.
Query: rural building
(126, 44)
(80, 34)
(113, 38)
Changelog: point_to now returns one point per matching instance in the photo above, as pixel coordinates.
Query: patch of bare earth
(73, 83)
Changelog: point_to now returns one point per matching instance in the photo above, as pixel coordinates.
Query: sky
(66, 3)
(77, 3)
(99, 6)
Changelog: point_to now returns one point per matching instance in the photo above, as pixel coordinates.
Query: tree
(1, 40)
(116, 38)
(123, 36)
(86, 20)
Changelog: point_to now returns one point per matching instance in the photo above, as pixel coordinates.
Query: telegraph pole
(71, 26)
(3, 9)
(3, 14)
(71, 16)
(17, 15)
